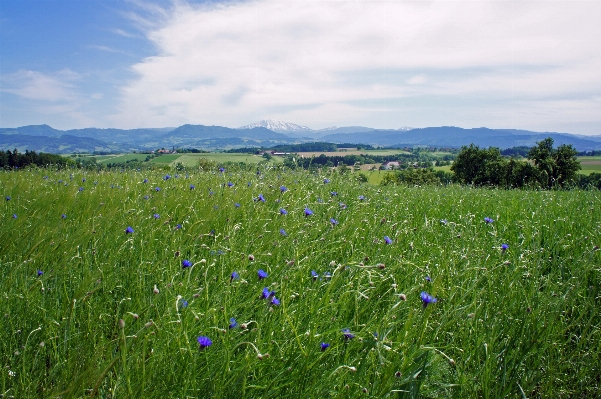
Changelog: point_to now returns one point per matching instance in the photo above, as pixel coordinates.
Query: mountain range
(267, 133)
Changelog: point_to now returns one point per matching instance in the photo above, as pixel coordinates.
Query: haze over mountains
(268, 133)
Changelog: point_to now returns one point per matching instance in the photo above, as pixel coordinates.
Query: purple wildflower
(230, 184)
(234, 276)
(222, 170)
(333, 193)
(308, 212)
(183, 304)
(186, 263)
(80, 188)
(504, 247)
(145, 181)
(428, 279)
(283, 232)
(156, 216)
(488, 220)
(361, 198)
(237, 205)
(233, 323)
(178, 226)
(283, 189)
(261, 198)
(129, 230)
(40, 273)
(347, 334)
(167, 177)
(63, 216)
(146, 197)
(204, 342)
(192, 186)
(157, 189)
(427, 299)
(14, 215)
(262, 274)
(324, 346)
(275, 301)
(7, 198)
(265, 293)
(283, 211)
(333, 221)
(314, 275)
(387, 240)
(326, 181)
(443, 221)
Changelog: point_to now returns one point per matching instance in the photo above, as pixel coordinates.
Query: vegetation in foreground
(292, 284)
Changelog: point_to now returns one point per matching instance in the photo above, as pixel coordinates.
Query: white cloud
(35, 85)
(318, 63)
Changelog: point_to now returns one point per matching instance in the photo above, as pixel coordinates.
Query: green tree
(477, 166)
(557, 167)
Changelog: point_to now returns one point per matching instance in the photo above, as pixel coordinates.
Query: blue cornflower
(262, 274)
(40, 273)
(183, 303)
(95, 183)
(443, 221)
(314, 275)
(283, 189)
(347, 334)
(488, 220)
(157, 189)
(145, 181)
(80, 188)
(177, 176)
(129, 230)
(387, 240)
(192, 186)
(230, 184)
(248, 184)
(327, 275)
(261, 198)
(63, 216)
(283, 211)
(167, 177)
(156, 216)
(343, 205)
(308, 212)
(326, 181)
(283, 232)
(427, 299)
(204, 342)
(45, 177)
(361, 198)
(146, 197)
(234, 276)
(178, 226)
(275, 301)
(333, 193)
(222, 170)
(333, 221)
(265, 293)
(324, 346)
(7, 198)
(428, 279)
(14, 215)
(211, 192)
(319, 200)
(186, 263)
(83, 180)
(237, 205)
(504, 247)
(233, 323)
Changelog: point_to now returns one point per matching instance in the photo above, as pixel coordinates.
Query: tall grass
(89, 310)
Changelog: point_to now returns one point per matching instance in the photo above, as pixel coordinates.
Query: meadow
(294, 284)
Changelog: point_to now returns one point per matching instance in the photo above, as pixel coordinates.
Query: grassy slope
(525, 319)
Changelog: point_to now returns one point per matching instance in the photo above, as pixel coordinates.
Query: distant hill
(451, 136)
(47, 139)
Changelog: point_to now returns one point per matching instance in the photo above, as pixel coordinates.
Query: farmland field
(293, 284)
(590, 165)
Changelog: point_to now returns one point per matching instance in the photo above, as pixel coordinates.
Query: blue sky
(386, 64)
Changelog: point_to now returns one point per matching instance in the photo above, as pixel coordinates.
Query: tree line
(14, 159)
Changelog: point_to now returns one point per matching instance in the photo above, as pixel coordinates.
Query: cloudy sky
(386, 64)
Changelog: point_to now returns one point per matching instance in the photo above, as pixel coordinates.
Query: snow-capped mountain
(279, 126)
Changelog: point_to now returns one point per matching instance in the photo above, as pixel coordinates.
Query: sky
(532, 65)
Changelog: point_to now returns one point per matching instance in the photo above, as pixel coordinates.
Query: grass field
(590, 165)
(196, 287)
